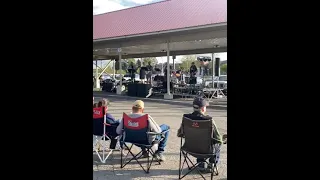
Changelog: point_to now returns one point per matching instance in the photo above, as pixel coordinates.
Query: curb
(107, 95)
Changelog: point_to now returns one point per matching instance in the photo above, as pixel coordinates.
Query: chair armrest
(112, 125)
(154, 133)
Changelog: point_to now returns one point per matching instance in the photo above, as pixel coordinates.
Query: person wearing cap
(137, 111)
(199, 110)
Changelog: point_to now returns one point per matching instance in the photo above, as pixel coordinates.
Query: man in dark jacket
(199, 110)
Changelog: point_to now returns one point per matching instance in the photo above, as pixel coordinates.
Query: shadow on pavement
(113, 97)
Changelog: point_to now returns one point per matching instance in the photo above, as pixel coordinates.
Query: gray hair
(197, 109)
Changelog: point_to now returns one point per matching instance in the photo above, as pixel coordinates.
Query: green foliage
(153, 61)
(223, 69)
(138, 63)
(124, 65)
(186, 62)
(131, 60)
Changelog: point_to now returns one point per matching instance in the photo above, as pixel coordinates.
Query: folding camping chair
(100, 134)
(137, 131)
(193, 131)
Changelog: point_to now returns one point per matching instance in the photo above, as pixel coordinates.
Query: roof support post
(213, 63)
(114, 69)
(97, 76)
(168, 95)
(119, 88)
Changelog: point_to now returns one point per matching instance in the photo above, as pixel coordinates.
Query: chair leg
(121, 156)
(180, 168)
(215, 169)
(192, 168)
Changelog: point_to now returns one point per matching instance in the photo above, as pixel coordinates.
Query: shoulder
(207, 117)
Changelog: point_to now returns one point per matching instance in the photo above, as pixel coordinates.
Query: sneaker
(159, 156)
(203, 168)
(145, 154)
(210, 166)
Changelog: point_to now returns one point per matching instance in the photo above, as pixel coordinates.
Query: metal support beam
(97, 76)
(177, 53)
(168, 69)
(104, 69)
(97, 65)
(120, 69)
(168, 95)
(213, 62)
(114, 69)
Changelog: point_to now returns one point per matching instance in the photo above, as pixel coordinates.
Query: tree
(131, 60)
(223, 69)
(152, 60)
(186, 62)
(124, 65)
(138, 63)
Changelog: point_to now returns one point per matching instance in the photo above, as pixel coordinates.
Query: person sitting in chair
(199, 110)
(109, 118)
(138, 111)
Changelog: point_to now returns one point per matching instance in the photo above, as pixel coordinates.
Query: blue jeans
(216, 158)
(163, 143)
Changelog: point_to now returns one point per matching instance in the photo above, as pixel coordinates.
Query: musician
(132, 71)
(149, 74)
(193, 70)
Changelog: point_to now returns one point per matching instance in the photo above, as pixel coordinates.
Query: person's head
(138, 106)
(200, 105)
(192, 63)
(149, 62)
(105, 102)
(95, 105)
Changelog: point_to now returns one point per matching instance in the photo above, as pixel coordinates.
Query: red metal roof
(161, 16)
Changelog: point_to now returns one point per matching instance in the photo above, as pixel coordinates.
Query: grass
(96, 89)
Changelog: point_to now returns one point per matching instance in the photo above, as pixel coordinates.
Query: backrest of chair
(98, 120)
(197, 135)
(135, 129)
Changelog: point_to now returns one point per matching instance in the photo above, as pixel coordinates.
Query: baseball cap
(138, 104)
(199, 102)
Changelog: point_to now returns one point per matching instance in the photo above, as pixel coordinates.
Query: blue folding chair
(137, 131)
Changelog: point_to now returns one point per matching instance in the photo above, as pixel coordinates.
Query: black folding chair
(137, 131)
(199, 144)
